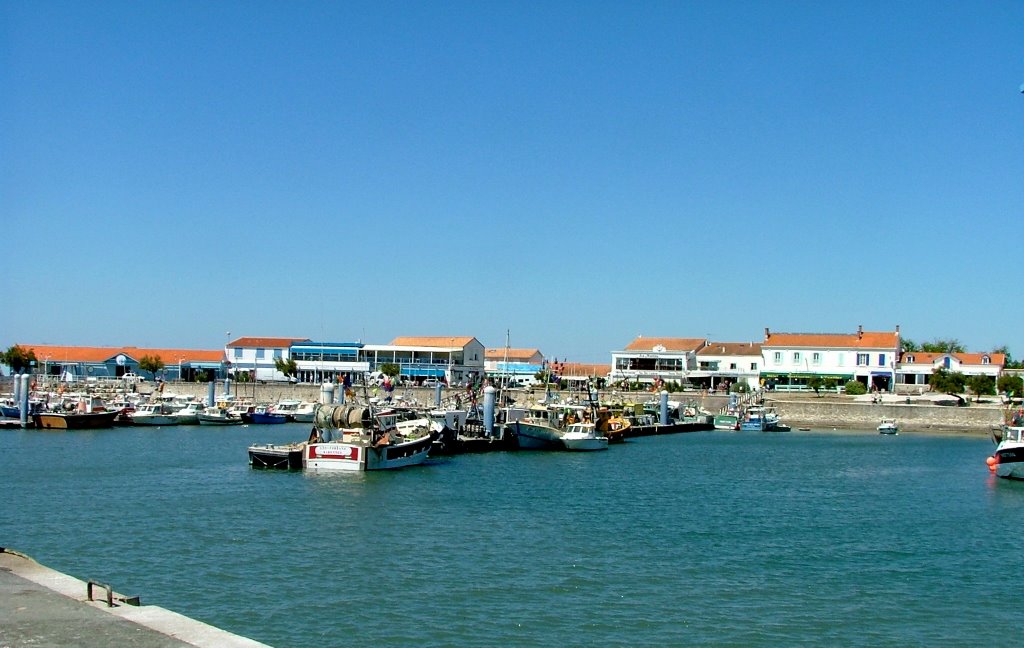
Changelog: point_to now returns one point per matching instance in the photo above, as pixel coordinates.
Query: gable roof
(511, 354)
(265, 342)
(859, 340)
(441, 341)
(58, 354)
(731, 349)
(642, 343)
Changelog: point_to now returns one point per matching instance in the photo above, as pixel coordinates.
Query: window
(732, 365)
(277, 353)
(753, 366)
(910, 359)
(238, 352)
(863, 359)
(986, 360)
(778, 357)
(259, 353)
(816, 358)
(842, 359)
(796, 357)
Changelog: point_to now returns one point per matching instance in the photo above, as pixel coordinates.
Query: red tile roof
(671, 344)
(583, 369)
(731, 349)
(864, 340)
(927, 358)
(265, 342)
(442, 341)
(511, 354)
(56, 354)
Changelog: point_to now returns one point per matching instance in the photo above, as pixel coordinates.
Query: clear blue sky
(576, 173)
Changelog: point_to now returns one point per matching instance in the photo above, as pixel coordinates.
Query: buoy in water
(992, 461)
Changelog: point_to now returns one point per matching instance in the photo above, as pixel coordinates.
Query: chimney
(766, 334)
(860, 332)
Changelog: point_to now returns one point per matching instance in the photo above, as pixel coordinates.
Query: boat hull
(585, 444)
(268, 419)
(278, 457)
(1010, 461)
(727, 422)
(219, 420)
(336, 455)
(76, 421)
(532, 436)
(154, 419)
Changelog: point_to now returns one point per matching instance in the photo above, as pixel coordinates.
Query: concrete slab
(40, 606)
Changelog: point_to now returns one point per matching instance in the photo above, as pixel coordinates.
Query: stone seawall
(818, 413)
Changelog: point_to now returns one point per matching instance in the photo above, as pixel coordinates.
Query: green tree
(1012, 386)
(390, 369)
(981, 385)
(943, 346)
(947, 382)
(1010, 362)
(152, 364)
(18, 358)
(909, 345)
(286, 366)
(816, 383)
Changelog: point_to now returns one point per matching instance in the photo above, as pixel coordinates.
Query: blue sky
(574, 173)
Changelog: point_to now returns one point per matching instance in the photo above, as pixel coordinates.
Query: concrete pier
(40, 606)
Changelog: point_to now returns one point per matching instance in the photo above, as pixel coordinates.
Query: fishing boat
(583, 437)
(540, 429)
(264, 415)
(74, 420)
(727, 422)
(753, 420)
(1008, 459)
(352, 437)
(888, 426)
(153, 414)
(189, 415)
(219, 415)
(277, 456)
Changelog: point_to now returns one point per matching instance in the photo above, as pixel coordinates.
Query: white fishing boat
(351, 437)
(583, 437)
(888, 426)
(540, 429)
(189, 415)
(219, 415)
(153, 414)
(1008, 459)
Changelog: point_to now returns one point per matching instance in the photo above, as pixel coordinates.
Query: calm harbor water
(732, 539)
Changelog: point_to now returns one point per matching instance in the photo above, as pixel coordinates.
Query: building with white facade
(518, 366)
(450, 359)
(723, 364)
(789, 360)
(648, 360)
(915, 367)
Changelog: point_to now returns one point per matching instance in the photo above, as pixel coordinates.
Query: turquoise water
(730, 539)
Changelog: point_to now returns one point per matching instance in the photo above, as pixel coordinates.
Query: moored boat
(266, 416)
(153, 414)
(1008, 459)
(583, 437)
(727, 422)
(74, 420)
(538, 430)
(888, 426)
(350, 437)
(219, 416)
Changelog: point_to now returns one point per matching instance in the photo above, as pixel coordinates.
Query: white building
(916, 367)
(790, 359)
(515, 365)
(452, 358)
(649, 359)
(722, 364)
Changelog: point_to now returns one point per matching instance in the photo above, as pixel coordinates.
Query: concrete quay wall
(819, 413)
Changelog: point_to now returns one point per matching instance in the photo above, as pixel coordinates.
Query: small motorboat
(1008, 459)
(584, 437)
(888, 426)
